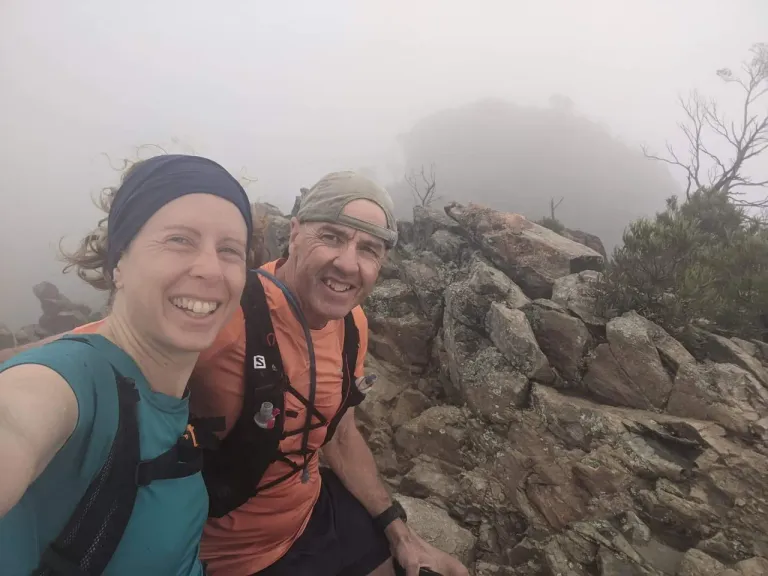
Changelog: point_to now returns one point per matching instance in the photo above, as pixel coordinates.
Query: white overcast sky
(292, 90)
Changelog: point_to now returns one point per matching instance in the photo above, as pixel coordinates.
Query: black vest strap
(93, 532)
(350, 395)
(234, 471)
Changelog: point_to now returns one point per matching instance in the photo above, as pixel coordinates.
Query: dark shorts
(339, 540)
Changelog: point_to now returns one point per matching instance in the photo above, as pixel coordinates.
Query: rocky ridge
(556, 441)
(527, 435)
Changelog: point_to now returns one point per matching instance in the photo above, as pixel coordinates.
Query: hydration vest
(234, 469)
(90, 537)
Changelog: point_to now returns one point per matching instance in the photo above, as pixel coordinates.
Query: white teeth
(196, 306)
(337, 286)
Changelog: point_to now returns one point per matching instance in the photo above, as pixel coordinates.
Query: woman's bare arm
(38, 413)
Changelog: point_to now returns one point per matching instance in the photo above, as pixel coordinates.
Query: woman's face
(181, 278)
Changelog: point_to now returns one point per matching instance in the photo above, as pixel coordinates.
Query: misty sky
(287, 91)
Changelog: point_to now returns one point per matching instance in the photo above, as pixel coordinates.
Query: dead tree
(424, 191)
(553, 207)
(720, 149)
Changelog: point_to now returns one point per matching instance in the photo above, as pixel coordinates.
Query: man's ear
(295, 229)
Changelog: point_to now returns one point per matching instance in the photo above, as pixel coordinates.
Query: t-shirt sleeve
(78, 364)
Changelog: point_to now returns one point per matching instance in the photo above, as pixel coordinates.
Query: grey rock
(606, 381)
(484, 378)
(697, 563)
(576, 292)
(723, 393)
(437, 528)
(511, 333)
(468, 301)
(531, 255)
(636, 353)
(439, 432)
(564, 339)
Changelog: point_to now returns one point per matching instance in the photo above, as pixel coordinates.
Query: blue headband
(156, 182)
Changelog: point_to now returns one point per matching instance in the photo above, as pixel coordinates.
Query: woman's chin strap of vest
(312, 367)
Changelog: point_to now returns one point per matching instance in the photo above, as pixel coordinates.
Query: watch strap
(390, 515)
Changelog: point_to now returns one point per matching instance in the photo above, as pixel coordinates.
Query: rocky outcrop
(589, 240)
(552, 440)
(59, 312)
(273, 231)
(531, 255)
(59, 315)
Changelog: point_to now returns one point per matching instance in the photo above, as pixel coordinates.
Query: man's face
(336, 266)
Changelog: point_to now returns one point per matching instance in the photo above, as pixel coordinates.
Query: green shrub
(703, 260)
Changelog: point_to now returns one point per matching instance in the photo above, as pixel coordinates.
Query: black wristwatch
(390, 515)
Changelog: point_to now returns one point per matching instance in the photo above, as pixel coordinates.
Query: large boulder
(427, 277)
(589, 240)
(428, 220)
(449, 247)
(636, 353)
(721, 349)
(564, 339)
(511, 333)
(697, 563)
(468, 301)
(723, 393)
(606, 381)
(629, 369)
(576, 293)
(439, 432)
(437, 528)
(399, 331)
(484, 378)
(531, 255)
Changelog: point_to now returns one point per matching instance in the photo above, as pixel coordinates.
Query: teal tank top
(163, 534)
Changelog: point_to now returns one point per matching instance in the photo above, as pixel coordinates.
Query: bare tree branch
(426, 196)
(707, 130)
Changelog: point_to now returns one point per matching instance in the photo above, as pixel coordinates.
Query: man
(285, 398)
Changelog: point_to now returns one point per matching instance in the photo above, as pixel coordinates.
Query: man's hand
(412, 553)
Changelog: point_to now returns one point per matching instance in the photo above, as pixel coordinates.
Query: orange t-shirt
(261, 531)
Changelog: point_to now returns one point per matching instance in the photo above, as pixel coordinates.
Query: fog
(285, 92)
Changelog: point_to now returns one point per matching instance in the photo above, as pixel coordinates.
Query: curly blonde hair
(89, 259)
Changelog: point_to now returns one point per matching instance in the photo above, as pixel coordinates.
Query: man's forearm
(351, 460)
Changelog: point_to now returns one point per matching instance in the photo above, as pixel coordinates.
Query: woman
(174, 258)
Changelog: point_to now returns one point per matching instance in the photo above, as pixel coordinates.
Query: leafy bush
(702, 260)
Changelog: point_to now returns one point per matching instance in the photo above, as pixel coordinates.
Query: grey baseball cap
(326, 200)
